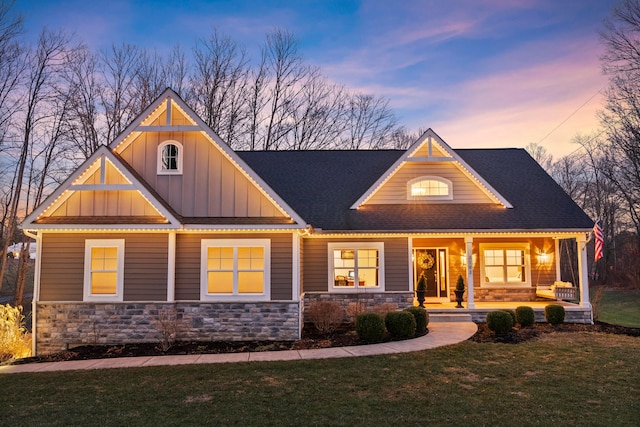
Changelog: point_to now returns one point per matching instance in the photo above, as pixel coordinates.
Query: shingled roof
(322, 185)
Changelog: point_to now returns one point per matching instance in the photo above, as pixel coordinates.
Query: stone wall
(368, 301)
(500, 294)
(63, 325)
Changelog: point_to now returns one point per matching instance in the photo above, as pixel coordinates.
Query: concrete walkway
(440, 334)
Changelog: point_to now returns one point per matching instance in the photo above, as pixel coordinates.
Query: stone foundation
(368, 300)
(63, 325)
(501, 295)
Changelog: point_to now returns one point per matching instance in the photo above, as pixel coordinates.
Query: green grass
(620, 307)
(561, 379)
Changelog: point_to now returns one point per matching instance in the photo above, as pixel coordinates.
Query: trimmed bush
(525, 316)
(422, 318)
(326, 316)
(512, 314)
(369, 327)
(499, 322)
(554, 314)
(400, 324)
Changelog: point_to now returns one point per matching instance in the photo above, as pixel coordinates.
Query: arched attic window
(429, 188)
(170, 158)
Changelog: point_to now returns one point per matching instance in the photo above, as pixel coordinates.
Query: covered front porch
(574, 313)
(504, 270)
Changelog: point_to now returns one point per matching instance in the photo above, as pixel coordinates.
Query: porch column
(583, 270)
(469, 243)
(558, 255)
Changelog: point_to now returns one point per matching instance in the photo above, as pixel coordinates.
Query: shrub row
(502, 321)
(371, 326)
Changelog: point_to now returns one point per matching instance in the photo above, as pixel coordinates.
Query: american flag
(597, 232)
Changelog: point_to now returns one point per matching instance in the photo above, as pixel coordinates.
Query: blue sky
(481, 73)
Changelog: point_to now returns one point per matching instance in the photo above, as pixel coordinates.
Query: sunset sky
(480, 73)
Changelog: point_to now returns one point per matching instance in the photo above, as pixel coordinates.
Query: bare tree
(119, 68)
(176, 68)
(11, 66)
(217, 85)
(43, 63)
(540, 155)
(286, 71)
(85, 89)
(149, 79)
(621, 118)
(370, 123)
(319, 119)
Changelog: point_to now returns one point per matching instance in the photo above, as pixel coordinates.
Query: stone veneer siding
(63, 325)
(369, 300)
(500, 294)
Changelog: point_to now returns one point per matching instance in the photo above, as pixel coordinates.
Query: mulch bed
(310, 340)
(519, 335)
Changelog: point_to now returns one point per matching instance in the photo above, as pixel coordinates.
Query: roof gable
(214, 182)
(427, 154)
(100, 190)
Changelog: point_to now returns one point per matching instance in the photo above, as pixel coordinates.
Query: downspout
(36, 287)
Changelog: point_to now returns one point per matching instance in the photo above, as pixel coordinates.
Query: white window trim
(162, 171)
(527, 264)
(355, 246)
(103, 243)
(235, 243)
(430, 178)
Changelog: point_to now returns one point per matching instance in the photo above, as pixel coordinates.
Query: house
(168, 219)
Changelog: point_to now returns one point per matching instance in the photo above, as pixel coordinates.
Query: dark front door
(432, 263)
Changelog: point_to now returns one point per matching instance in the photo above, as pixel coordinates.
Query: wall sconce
(543, 258)
(463, 258)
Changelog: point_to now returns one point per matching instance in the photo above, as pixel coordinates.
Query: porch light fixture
(463, 258)
(543, 258)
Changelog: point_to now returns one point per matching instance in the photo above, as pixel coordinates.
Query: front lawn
(621, 307)
(559, 379)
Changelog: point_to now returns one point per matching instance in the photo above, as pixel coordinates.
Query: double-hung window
(235, 269)
(358, 265)
(505, 264)
(103, 269)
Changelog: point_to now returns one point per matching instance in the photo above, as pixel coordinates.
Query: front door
(432, 262)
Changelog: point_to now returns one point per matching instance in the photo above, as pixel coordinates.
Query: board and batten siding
(188, 247)
(394, 191)
(316, 269)
(145, 265)
(209, 186)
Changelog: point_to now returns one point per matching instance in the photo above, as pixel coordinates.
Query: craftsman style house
(169, 219)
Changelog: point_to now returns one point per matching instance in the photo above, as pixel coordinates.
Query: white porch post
(171, 268)
(583, 270)
(558, 255)
(469, 243)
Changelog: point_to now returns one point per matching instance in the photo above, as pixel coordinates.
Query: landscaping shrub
(355, 308)
(422, 318)
(511, 313)
(369, 327)
(525, 316)
(326, 316)
(15, 343)
(554, 314)
(400, 324)
(499, 322)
